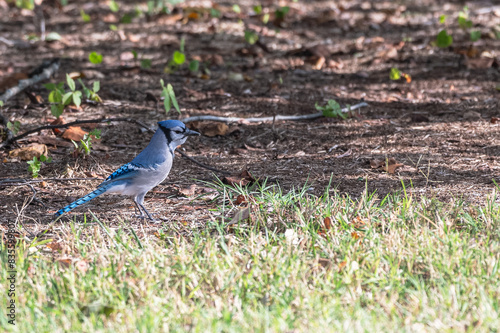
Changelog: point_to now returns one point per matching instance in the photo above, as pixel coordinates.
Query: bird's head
(176, 132)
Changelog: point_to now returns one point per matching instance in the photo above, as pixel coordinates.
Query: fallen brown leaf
(478, 63)
(390, 166)
(55, 246)
(355, 235)
(27, 153)
(243, 179)
(210, 129)
(241, 215)
(74, 133)
(12, 81)
(342, 265)
(325, 263)
(240, 199)
(327, 222)
(188, 192)
(66, 262)
(494, 120)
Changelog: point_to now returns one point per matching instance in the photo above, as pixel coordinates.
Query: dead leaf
(241, 215)
(169, 19)
(243, 179)
(355, 235)
(358, 223)
(327, 222)
(75, 75)
(390, 166)
(478, 63)
(188, 192)
(55, 246)
(325, 263)
(389, 53)
(240, 199)
(494, 120)
(193, 16)
(210, 129)
(27, 153)
(66, 262)
(342, 265)
(74, 133)
(12, 80)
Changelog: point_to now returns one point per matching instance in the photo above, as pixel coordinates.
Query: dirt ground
(441, 126)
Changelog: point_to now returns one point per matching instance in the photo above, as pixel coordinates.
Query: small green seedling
(194, 66)
(114, 6)
(59, 98)
(92, 93)
(85, 144)
(14, 127)
(85, 17)
(443, 40)
(169, 97)
(463, 19)
(215, 13)
(178, 59)
(281, 12)
(95, 58)
(251, 37)
(396, 74)
(35, 164)
(74, 95)
(331, 109)
(25, 4)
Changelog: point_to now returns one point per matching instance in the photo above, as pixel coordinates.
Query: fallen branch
(102, 120)
(77, 122)
(47, 72)
(21, 181)
(268, 119)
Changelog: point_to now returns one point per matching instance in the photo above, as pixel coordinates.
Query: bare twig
(267, 119)
(77, 122)
(21, 181)
(23, 84)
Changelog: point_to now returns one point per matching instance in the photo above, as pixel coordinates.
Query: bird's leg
(138, 208)
(147, 213)
(138, 203)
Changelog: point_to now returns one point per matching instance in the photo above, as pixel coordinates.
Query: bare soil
(441, 126)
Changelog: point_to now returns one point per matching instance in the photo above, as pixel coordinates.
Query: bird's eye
(178, 132)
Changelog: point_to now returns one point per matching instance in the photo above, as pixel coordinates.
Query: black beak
(189, 132)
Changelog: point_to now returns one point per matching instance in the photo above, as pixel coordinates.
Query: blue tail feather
(81, 201)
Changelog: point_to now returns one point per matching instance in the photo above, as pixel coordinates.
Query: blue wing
(124, 172)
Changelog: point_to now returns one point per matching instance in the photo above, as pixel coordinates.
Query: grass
(394, 265)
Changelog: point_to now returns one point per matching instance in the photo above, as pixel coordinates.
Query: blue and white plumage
(146, 171)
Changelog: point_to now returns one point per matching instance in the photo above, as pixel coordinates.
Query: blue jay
(147, 170)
